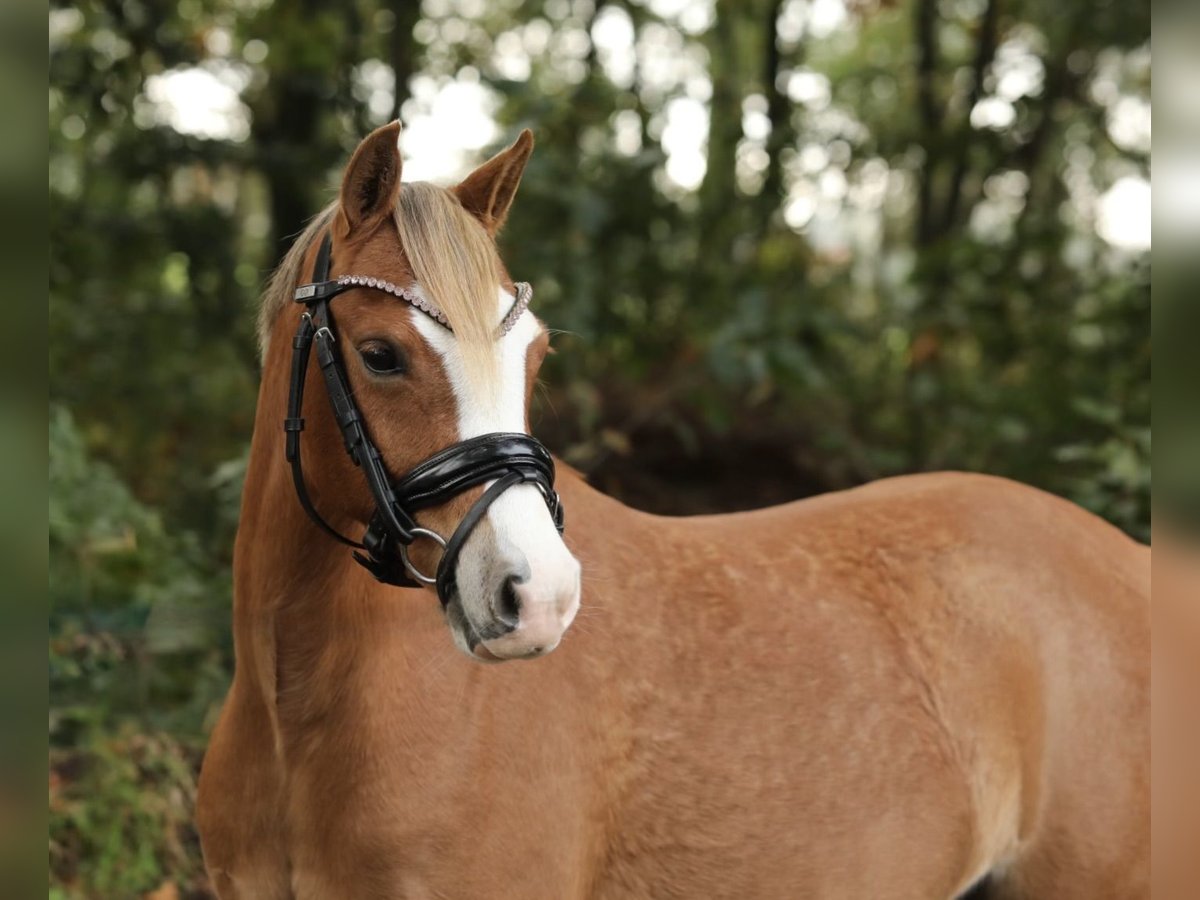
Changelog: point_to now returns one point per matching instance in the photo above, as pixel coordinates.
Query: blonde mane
(452, 258)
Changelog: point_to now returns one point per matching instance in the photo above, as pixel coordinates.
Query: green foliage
(887, 281)
(114, 563)
(121, 816)
(138, 656)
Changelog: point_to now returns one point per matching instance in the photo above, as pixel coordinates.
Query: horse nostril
(507, 605)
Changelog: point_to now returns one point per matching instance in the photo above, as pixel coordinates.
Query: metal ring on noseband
(408, 563)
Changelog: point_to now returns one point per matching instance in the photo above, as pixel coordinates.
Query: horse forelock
(456, 265)
(453, 261)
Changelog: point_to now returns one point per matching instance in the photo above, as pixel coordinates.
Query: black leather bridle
(505, 459)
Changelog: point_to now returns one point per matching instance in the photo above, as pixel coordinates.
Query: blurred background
(788, 246)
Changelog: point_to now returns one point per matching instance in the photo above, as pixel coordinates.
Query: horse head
(429, 357)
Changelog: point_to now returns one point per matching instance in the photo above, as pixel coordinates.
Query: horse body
(881, 693)
(889, 692)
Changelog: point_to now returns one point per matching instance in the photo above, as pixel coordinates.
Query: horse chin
(462, 632)
(465, 636)
(483, 654)
(503, 649)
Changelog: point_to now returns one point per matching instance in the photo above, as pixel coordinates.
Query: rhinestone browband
(524, 295)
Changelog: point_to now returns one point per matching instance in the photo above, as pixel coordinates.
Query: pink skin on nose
(546, 613)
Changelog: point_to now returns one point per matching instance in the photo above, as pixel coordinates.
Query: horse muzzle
(511, 601)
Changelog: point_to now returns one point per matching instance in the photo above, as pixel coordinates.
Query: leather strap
(448, 567)
(362, 450)
(293, 425)
(474, 461)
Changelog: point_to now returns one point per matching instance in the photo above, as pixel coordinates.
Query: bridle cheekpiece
(504, 459)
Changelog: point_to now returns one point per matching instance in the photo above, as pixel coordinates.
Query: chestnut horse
(925, 687)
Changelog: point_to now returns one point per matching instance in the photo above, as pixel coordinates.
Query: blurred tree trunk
(744, 55)
(725, 110)
(402, 49)
(314, 48)
(985, 52)
(721, 211)
(779, 111)
(283, 139)
(921, 382)
(639, 15)
(929, 117)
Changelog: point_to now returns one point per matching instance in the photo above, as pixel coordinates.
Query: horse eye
(381, 358)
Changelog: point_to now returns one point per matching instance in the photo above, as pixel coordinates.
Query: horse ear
(488, 192)
(372, 180)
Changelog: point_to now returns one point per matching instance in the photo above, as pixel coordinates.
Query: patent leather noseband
(504, 459)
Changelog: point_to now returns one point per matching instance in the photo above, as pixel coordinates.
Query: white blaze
(524, 530)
